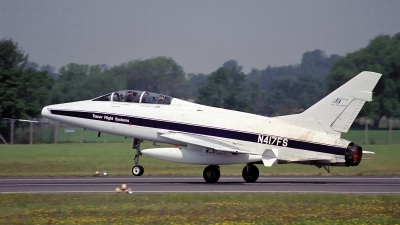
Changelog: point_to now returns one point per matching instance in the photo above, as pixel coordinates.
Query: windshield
(135, 96)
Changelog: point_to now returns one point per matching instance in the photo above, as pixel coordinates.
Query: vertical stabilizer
(337, 111)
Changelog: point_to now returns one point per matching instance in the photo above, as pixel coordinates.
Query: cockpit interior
(135, 97)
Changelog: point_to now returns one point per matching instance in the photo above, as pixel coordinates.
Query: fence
(369, 131)
(363, 131)
(43, 131)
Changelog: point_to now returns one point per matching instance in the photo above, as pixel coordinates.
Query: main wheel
(211, 174)
(250, 173)
(137, 170)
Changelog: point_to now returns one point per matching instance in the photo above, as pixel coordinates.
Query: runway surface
(274, 184)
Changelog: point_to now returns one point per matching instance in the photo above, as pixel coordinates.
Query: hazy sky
(199, 35)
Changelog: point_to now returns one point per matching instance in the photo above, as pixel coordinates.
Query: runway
(154, 185)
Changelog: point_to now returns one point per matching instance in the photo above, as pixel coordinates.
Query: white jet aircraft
(214, 136)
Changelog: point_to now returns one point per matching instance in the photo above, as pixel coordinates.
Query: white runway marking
(199, 178)
(198, 192)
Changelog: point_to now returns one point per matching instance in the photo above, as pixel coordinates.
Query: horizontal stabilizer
(368, 152)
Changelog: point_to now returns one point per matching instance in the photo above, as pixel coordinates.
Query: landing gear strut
(250, 173)
(211, 174)
(137, 170)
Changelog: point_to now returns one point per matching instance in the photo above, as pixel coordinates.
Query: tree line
(26, 87)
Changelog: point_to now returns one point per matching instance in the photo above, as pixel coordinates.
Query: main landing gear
(137, 170)
(250, 173)
(211, 174)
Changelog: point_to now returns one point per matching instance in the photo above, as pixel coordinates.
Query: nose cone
(46, 112)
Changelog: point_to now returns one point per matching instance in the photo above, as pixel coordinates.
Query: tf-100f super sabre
(214, 136)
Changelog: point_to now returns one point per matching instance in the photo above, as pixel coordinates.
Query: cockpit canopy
(135, 96)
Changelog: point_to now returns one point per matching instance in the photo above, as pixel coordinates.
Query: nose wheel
(137, 170)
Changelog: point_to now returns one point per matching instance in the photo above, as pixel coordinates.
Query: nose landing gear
(137, 170)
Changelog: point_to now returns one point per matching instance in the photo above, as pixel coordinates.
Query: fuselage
(245, 131)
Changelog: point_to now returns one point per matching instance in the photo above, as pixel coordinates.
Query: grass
(375, 137)
(73, 159)
(70, 135)
(199, 209)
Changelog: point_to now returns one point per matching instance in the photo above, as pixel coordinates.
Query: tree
(159, 74)
(10, 56)
(69, 86)
(23, 90)
(317, 63)
(290, 89)
(294, 94)
(50, 71)
(82, 82)
(195, 82)
(232, 64)
(226, 88)
(381, 55)
(313, 62)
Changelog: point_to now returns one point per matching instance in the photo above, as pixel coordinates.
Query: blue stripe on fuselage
(195, 129)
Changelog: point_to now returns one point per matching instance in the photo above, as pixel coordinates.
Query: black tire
(250, 174)
(137, 170)
(211, 174)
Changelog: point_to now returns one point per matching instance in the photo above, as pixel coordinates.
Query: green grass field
(199, 209)
(69, 135)
(74, 159)
(53, 160)
(375, 137)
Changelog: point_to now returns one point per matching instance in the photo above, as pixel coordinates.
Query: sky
(199, 35)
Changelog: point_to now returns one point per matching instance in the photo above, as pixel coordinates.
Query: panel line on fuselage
(197, 129)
